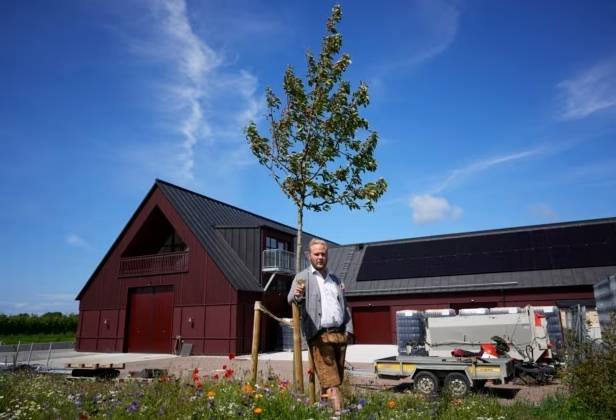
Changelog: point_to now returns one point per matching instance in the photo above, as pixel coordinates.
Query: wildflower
(211, 394)
(456, 402)
(258, 410)
(133, 407)
(258, 396)
(229, 373)
(248, 388)
(196, 379)
(224, 367)
(391, 404)
(215, 376)
(231, 356)
(361, 403)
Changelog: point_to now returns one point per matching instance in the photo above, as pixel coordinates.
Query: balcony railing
(145, 265)
(280, 261)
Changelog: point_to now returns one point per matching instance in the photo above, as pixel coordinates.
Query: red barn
(186, 267)
(189, 268)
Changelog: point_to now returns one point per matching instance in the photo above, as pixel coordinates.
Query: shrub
(589, 375)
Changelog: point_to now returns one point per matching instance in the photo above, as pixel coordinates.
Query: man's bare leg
(335, 398)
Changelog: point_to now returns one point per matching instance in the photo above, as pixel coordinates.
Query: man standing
(326, 320)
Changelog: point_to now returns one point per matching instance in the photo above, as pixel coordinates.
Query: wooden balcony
(147, 265)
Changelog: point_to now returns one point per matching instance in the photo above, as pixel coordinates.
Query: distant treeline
(49, 323)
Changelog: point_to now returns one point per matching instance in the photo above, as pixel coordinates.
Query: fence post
(16, 353)
(30, 354)
(49, 355)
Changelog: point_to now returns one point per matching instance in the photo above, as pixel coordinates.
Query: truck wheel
(426, 383)
(457, 384)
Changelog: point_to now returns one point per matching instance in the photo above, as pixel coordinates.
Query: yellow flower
(211, 394)
(258, 396)
(247, 389)
(391, 404)
(258, 410)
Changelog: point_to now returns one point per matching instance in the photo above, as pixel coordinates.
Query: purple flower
(133, 407)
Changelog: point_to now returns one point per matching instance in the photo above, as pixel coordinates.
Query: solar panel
(540, 249)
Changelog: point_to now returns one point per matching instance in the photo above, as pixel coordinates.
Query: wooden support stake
(311, 382)
(297, 350)
(256, 338)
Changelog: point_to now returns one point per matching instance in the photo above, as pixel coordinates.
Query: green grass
(36, 338)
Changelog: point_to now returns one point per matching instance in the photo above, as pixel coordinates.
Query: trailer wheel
(426, 383)
(457, 384)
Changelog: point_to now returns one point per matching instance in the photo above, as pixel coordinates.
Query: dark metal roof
(347, 262)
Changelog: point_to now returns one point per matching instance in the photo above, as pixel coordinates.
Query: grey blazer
(310, 303)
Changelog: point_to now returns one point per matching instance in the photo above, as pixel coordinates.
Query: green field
(36, 338)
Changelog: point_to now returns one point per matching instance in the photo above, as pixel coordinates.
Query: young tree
(315, 152)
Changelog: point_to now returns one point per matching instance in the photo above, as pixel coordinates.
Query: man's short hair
(316, 241)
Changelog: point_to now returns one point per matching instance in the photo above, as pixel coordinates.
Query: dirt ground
(359, 376)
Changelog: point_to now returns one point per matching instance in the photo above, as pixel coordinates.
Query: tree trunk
(297, 335)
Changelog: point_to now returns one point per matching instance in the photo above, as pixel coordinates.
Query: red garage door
(150, 320)
(372, 325)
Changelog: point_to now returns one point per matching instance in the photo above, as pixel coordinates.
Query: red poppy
(231, 356)
(224, 367)
(215, 376)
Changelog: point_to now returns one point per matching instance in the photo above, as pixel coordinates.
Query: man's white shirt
(331, 305)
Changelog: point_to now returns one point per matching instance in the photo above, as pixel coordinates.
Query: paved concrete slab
(356, 353)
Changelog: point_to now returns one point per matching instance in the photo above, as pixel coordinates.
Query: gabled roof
(557, 254)
(204, 216)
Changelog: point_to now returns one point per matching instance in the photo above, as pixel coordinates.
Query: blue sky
(491, 114)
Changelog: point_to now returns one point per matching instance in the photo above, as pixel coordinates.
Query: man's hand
(299, 290)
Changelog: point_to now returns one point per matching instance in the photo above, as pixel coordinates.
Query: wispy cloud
(439, 20)
(77, 241)
(542, 211)
(593, 90)
(429, 208)
(481, 165)
(206, 101)
(432, 28)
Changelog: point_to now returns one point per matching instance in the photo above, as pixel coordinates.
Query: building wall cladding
(202, 295)
(458, 300)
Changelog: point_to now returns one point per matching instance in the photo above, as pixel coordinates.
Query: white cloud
(77, 241)
(543, 211)
(482, 165)
(429, 208)
(205, 102)
(592, 91)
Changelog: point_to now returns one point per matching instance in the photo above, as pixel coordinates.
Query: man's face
(318, 256)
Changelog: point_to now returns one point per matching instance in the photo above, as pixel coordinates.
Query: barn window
(274, 243)
(156, 236)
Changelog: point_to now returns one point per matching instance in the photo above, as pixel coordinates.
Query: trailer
(458, 376)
